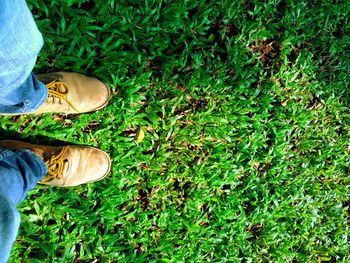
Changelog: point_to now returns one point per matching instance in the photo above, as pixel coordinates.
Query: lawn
(244, 107)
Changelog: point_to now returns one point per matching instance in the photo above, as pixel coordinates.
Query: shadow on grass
(35, 139)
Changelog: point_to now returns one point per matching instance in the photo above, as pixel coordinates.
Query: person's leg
(20, 90)
(20, 171)
(9, 223)
(23, 165)
(20, 43)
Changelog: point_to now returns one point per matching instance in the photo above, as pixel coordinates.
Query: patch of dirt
(155, 66)
(139, 248)
(248, 207)
(182, 189)
(91, 126)
(198, 103)
(143, 199)
(267, 52)
(230, 29)
(255, 229)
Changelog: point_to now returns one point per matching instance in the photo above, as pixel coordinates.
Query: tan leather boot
(67, 165)
(72, 93)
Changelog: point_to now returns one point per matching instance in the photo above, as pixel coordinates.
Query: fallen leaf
(140, 135)
(284, 103)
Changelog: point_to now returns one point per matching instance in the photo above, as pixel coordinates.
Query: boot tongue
(47, 155)
(65, 170)
(47, 78)
(57, 87)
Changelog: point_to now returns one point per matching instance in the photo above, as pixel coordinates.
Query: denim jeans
(20, 91)
(20, 171)
(20, 43)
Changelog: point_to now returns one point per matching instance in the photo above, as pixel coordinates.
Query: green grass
(245, 108)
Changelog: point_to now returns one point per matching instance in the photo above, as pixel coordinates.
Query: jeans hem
(43, 171)
(41, 101)
(39, 162)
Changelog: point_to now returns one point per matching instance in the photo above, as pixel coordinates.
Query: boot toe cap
(102, 92)
(99, 166)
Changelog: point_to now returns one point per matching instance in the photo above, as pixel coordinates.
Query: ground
(244, 108)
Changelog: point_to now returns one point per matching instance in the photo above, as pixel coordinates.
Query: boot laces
(59, 90)
(55, 165)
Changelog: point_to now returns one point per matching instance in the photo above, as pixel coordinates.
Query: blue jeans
(20, 43)
(20, 171)
(20, 91)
